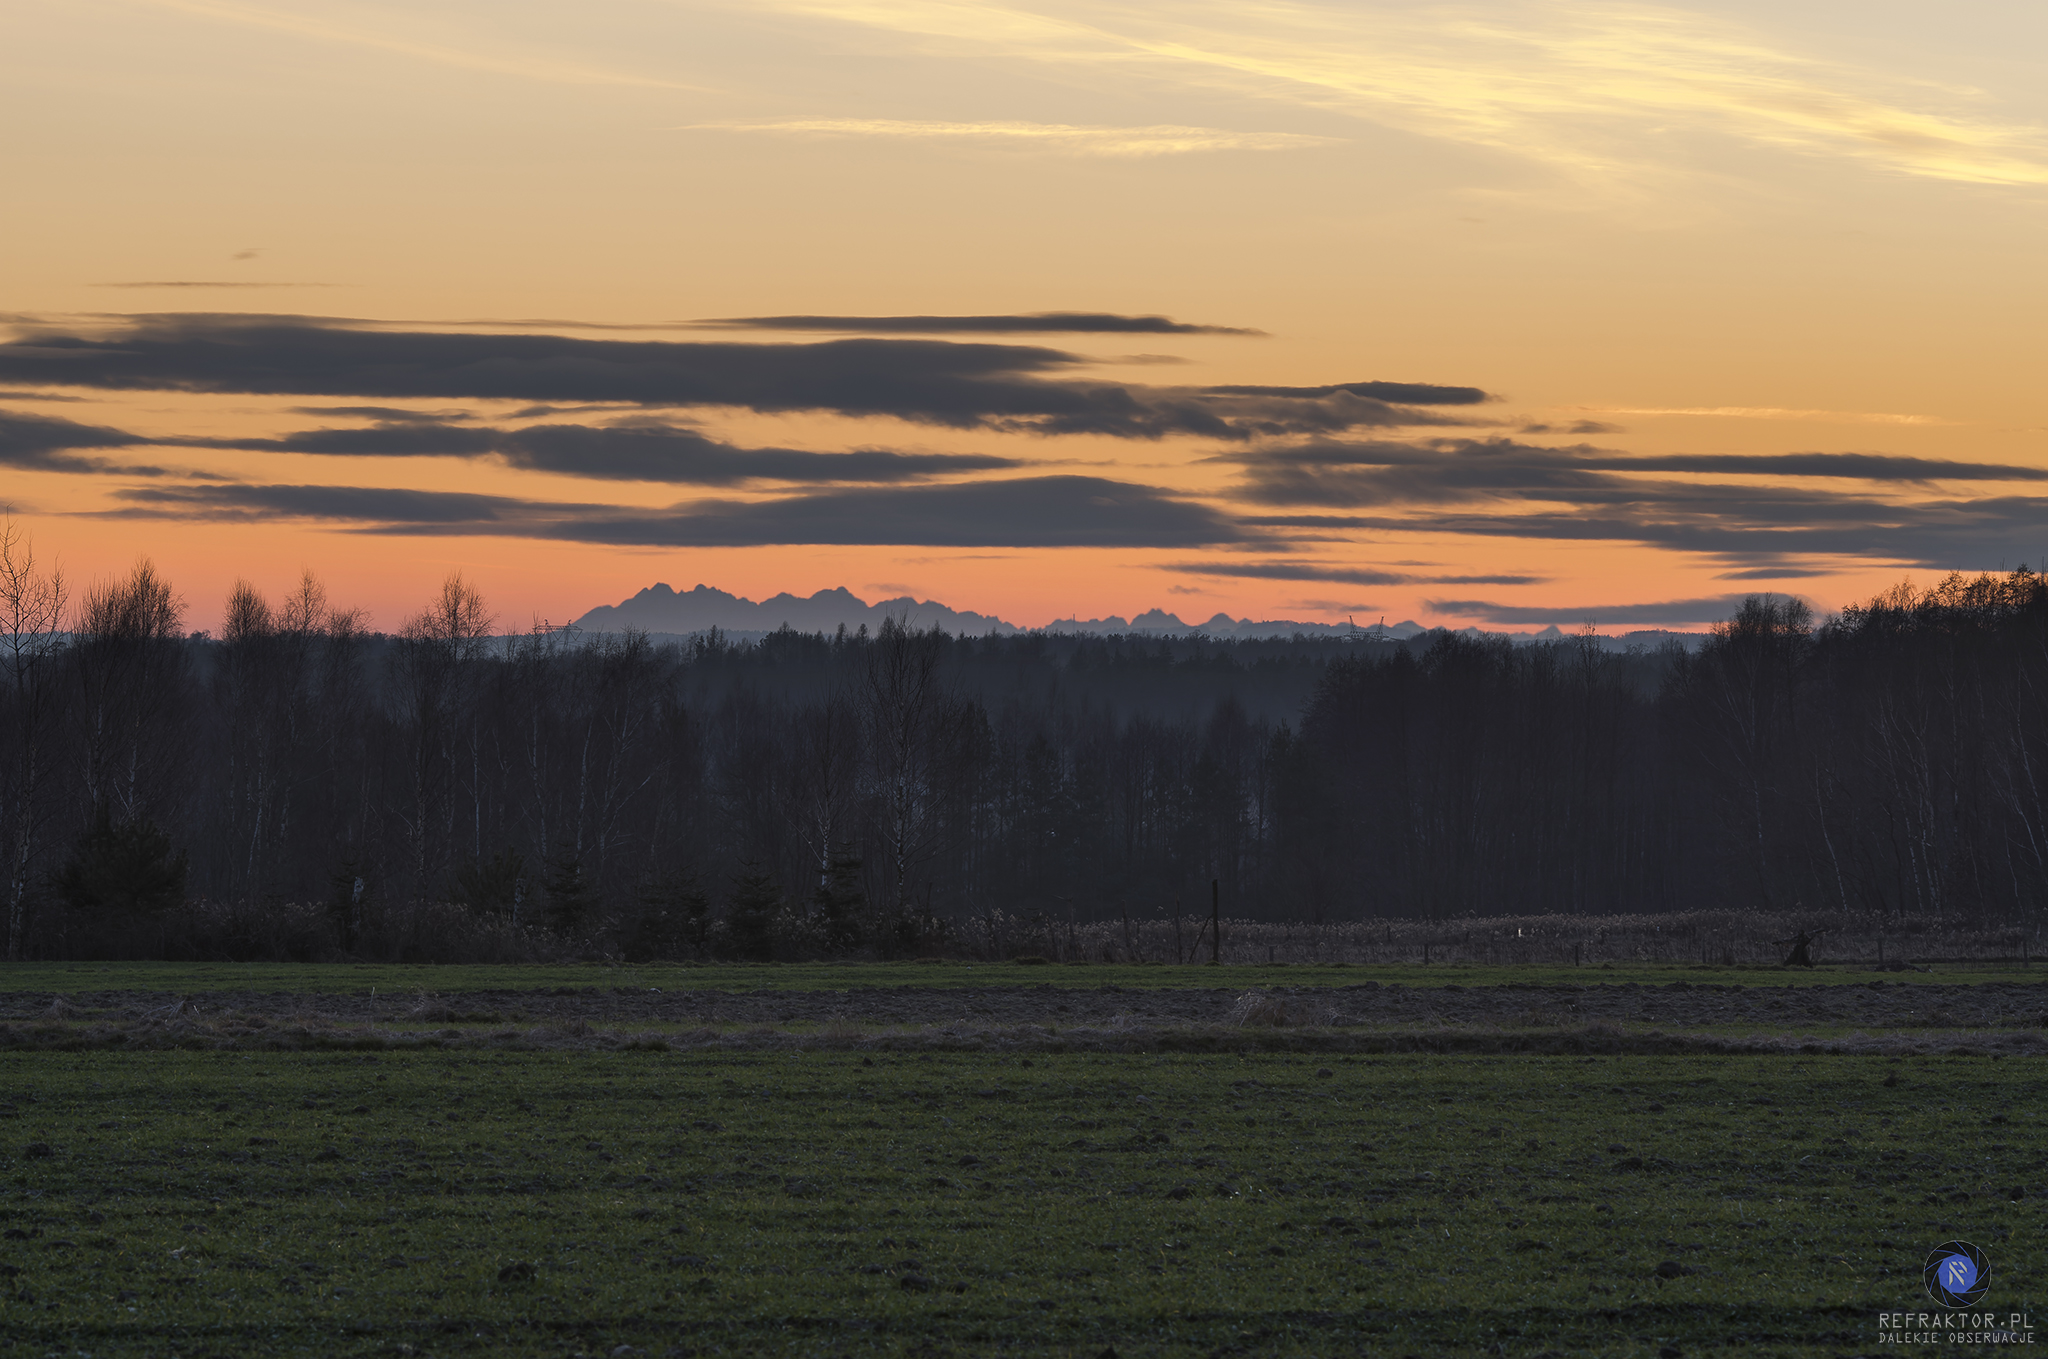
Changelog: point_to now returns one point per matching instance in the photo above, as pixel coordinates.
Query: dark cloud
(637, 452)
(925, 379)
(1504, 488)
(1666, 611)
(394, 439)
(28, 436)
(1311, 521)
(1290, 571)
(1340, 575)
(41, 443)
(1377, 472)
(1041, 322)
(1575, 427)
(1854, 466)
(1058, 511)
(387, 413)
(1212, 412)
(1774, 573)
(1405, 393)
(1942, 535)
(1005, 386)
(669, 454)
(340, 504)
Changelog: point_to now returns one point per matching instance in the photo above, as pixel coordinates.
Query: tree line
(290, 783)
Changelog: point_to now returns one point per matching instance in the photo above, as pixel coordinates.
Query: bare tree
(905, 705)
(273, 706)
(31, 614)
(825, 750)
(1741, 686)
(130, 668)
(438, 650)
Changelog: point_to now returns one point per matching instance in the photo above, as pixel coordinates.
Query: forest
(284, 783)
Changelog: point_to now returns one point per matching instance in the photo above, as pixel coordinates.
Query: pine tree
(841, 903)
(750, 917)
(127, 866)
(673, 920)
(570, 892)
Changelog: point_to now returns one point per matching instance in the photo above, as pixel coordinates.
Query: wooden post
(1215, 920)
(1178, 956)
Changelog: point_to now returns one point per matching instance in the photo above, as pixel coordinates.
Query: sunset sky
(1496, 314)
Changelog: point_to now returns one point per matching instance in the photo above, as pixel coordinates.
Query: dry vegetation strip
(388, 980)
(1878, 1016)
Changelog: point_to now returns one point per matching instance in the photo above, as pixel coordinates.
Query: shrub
(129, 867)
(748, 932)
(671, 919)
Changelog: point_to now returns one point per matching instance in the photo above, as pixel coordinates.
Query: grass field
(698, 1202)
(400, 978)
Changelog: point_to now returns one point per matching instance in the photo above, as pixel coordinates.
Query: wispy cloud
(1710, 610)
(1064, 138)
(208, 283)
(1573, 86)
(1775, 413)
(1037, 322)
(1343, 575)
(466, 51)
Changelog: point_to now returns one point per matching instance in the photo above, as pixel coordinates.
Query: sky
(1493, 315)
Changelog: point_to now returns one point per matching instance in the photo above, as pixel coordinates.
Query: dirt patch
(1681, 1017)
(1876, 1005)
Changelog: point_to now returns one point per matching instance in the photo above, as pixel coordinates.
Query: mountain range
(664, 610)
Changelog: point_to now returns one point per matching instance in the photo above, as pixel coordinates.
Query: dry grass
(1726, 937)
(1272, 1010)
(1266, 1023)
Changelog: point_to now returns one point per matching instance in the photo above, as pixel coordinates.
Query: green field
(361, 978)
(555, 1203)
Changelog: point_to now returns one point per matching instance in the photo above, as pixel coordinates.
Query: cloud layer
(940, 382)
(1163, 139)
(1054, 511)
(1315, 464)
(1504, 488)
(1042, 322)
(1567, 87)
(643, 451)
(1678, 611)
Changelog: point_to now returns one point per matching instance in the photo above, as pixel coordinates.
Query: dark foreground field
(236, 1195)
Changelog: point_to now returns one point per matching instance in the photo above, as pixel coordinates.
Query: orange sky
(1732, 231)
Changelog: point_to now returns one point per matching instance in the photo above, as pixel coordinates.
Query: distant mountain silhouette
(664, 610)
(660, 608)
